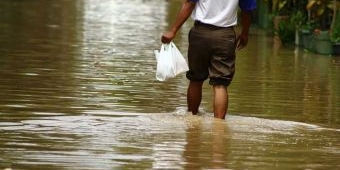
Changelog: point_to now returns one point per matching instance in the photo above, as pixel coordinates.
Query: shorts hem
(219, 81)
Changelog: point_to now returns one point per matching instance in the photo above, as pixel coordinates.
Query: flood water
(78, 91)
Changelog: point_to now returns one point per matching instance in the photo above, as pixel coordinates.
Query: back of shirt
(222, 13)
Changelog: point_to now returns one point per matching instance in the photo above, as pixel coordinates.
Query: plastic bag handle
(165, 47)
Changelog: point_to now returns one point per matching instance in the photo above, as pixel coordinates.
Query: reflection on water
(289, 83)
(172, 140)
(78, 91)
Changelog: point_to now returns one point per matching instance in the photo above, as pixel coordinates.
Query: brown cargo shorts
(211, 54)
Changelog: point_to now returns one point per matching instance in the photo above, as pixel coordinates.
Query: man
(212, 45)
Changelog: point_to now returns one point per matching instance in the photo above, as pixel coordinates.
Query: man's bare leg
(194, 96)
(220, 101)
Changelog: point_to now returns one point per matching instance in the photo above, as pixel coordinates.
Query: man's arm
(184, 13)
(247, 6)
(242, 39)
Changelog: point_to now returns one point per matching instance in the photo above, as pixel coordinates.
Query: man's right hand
(183, 15)
(167, 37)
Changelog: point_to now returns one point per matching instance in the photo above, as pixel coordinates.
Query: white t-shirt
(222, 13)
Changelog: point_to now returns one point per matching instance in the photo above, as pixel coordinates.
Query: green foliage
(320, 12)
(286, 32)
(286, 7)
(308, 26)
(296, 12)
(298, 18)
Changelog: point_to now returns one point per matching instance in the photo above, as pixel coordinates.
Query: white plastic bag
(170, 62)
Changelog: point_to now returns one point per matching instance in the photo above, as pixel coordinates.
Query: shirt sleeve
(247, 5)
